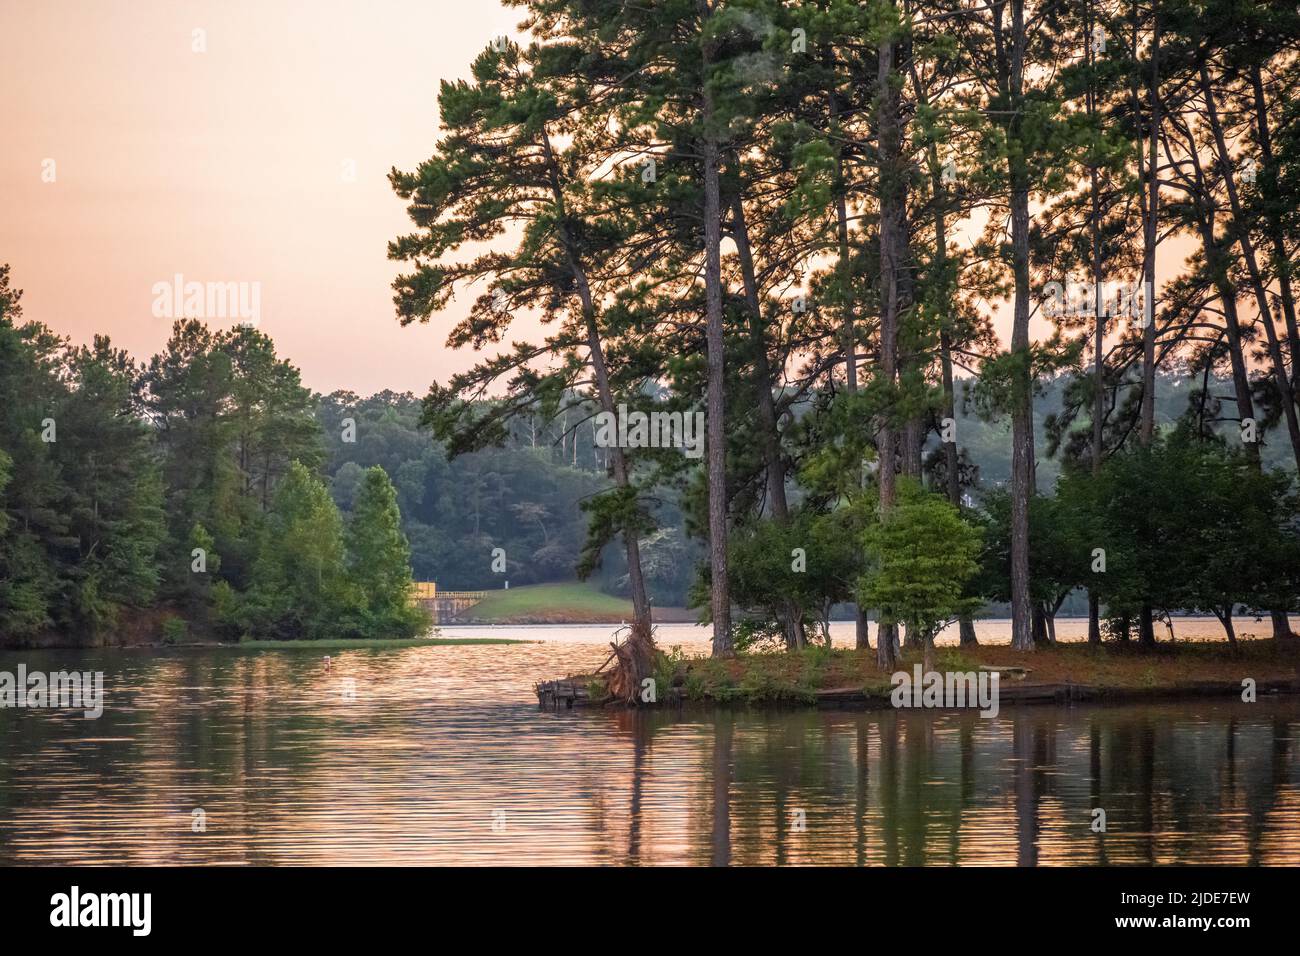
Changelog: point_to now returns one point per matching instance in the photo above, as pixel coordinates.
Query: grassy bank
(570, 602)
(820, 676)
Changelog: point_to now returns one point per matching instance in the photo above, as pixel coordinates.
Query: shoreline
(145, 631)
(554, 696)
(847, 679)
(336, 644)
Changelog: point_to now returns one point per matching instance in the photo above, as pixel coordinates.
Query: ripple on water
(443, 758)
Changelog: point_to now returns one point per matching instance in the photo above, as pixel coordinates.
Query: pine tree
(379, 560)
(300, 586)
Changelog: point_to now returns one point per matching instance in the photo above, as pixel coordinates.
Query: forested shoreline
(180, 498)
(739, 207)
(525, 494)
(802, 221)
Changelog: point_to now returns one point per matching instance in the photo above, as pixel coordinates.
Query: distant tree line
(524, 496)
(183, 492)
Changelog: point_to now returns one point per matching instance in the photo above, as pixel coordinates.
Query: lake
(439, 755)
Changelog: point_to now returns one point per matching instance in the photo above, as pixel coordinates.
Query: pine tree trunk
(1286, 384)
(767, 418)
(1022, 434)
(1039, 624)
(1099, 332)
(1022, 414)
(1146, 627)
(965, 625)
(636, 655)
(1149, 240)
(848, 333)
(717, 437)
(1274, 349)
(1228, 629)
(891, 215)
(861, 629)
(1277, 236)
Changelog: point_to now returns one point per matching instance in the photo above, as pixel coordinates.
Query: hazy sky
(231, 165)
(228, 165)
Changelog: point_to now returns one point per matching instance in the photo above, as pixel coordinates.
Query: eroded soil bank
(849, 678)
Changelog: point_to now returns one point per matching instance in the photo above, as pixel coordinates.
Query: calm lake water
(444, 758)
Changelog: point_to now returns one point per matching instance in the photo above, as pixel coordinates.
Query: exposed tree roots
(634, 661)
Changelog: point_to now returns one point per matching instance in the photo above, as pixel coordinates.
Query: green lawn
(563, 603)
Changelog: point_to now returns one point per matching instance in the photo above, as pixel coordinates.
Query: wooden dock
(562, 695)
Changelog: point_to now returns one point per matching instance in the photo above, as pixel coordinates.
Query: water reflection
(289, 771)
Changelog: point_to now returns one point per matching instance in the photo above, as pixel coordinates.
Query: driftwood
(635, 661)
(554, 694)
(607, 660)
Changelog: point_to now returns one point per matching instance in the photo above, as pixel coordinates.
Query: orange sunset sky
(229, 165)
